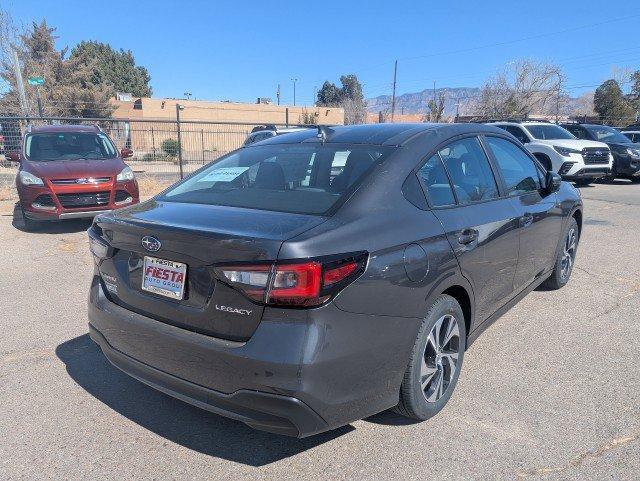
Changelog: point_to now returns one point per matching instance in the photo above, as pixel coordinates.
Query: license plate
(164, 277)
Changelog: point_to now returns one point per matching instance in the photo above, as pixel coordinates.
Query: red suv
(71, 171)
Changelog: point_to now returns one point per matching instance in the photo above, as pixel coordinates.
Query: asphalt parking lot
(551, 391)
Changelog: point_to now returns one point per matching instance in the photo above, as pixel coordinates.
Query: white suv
(557, 149)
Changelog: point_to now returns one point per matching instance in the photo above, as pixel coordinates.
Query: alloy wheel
(440, 358)
(568, 254)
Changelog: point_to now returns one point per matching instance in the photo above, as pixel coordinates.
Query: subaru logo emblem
(151, 243)
(598, 152)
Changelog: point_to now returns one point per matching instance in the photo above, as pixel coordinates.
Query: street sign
(35, 80)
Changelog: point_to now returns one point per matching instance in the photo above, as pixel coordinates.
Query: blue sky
(241, 50)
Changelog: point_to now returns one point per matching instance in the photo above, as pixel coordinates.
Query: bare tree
(622, 75)
(355, 111)
(8, 39)
(525, 87)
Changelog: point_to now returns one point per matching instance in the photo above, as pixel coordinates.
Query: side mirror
(553, 182)
(126, 153)
(13, 156)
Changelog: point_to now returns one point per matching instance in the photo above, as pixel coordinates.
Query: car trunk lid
(198, 236)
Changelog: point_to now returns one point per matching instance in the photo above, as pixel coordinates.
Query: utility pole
(20, 83)
(393, 95)
(294, 90)
(315, 94)
(178, 109)
(39, 102)
(558, 98)
(278, 94)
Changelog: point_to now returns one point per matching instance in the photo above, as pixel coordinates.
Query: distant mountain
(416, 103)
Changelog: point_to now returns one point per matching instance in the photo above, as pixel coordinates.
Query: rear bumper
(302, 371)
(268, 412)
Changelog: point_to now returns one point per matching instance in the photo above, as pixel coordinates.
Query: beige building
(206, 111)
(202, 137)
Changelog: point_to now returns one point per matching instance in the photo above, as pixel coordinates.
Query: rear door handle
(468, 236)
(526, 220)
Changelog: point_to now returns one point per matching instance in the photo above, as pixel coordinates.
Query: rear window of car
(300, 178)
(47, 147)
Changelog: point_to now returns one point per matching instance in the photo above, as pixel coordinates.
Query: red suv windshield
(47, 147)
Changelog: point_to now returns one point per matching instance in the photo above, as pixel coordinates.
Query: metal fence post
(153, 145)
(178, 109)
(286, 117)
(202, 138)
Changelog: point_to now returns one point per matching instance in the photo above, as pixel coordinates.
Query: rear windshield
(300, 178)
(47, 147)
(549, 132)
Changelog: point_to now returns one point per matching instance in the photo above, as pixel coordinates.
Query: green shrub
(170, 147)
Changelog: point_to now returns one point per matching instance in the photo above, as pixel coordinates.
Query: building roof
(376, 134)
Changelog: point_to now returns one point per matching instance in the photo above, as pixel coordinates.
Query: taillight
(252, 280)
(294, 284)
(337, 274)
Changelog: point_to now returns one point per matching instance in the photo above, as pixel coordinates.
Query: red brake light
(296, 284)
(331, 276)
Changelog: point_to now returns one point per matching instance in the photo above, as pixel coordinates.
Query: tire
(635, 180)
(420, 399)
(565, 257)
(28, 224)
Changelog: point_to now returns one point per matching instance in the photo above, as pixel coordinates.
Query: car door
(540, 215)
(481, 226)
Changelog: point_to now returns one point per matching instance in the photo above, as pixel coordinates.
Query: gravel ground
(551, 391)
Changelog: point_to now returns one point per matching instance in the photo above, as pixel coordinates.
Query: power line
(524, 39)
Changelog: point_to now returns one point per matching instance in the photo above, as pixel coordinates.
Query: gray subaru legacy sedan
(319, 277)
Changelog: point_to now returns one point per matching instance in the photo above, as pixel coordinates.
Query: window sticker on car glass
(225, 174)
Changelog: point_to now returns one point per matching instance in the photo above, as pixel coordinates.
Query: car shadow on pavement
(175, 420)
(390, 418)
(49, 227)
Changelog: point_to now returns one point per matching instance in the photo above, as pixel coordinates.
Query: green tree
(435, 108)
(329, 95)
(349, 97)
(67, 91)
(116, 69)
(611, 105)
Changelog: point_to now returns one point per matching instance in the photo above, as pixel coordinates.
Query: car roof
(64, 128)
(585, 124)
(377, 134)
(524, 122)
